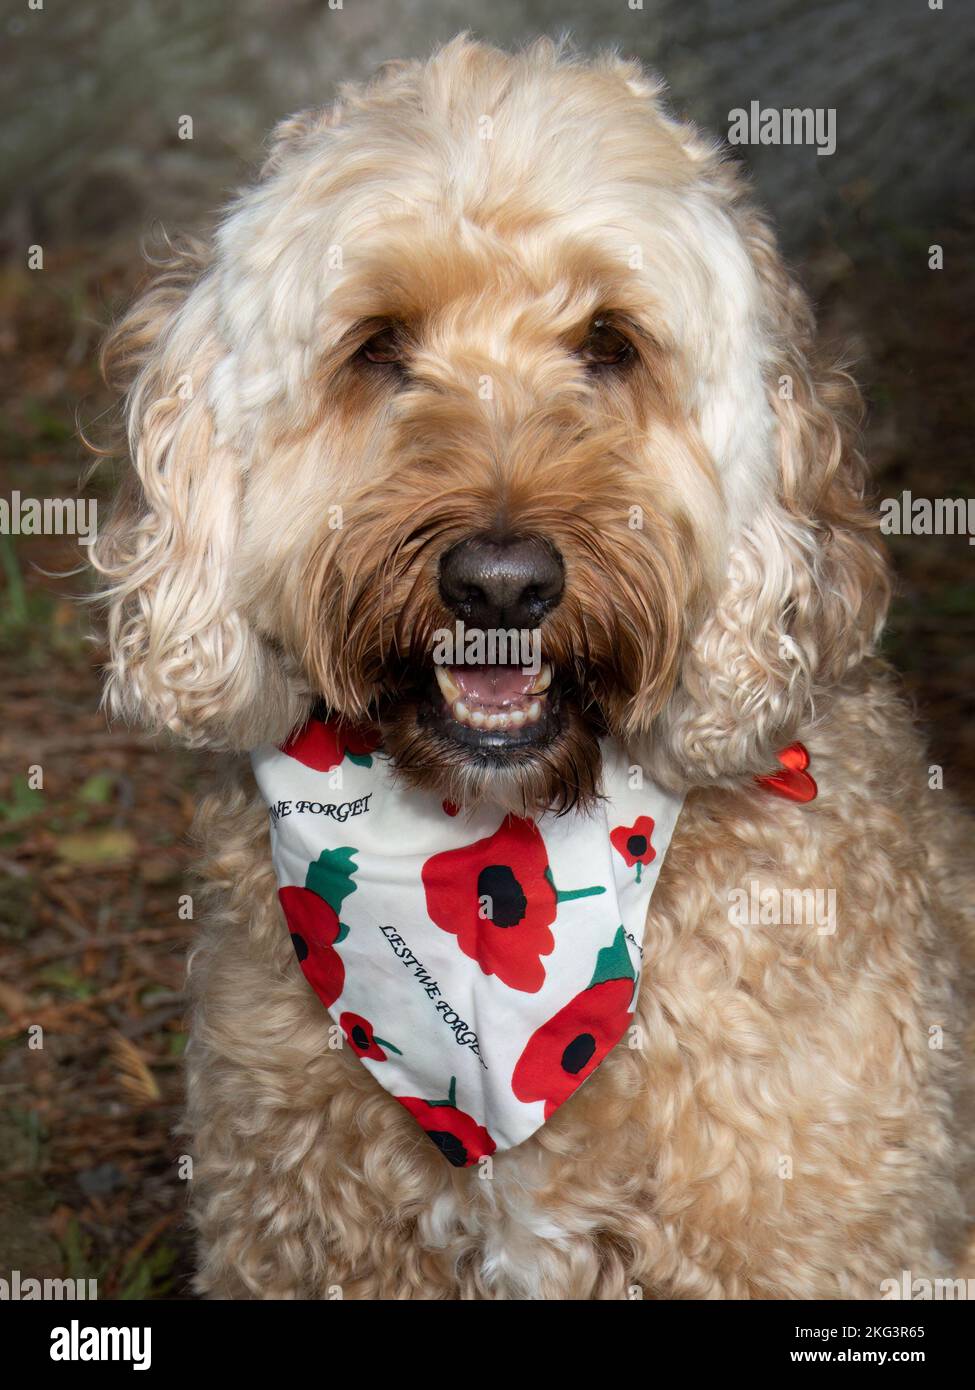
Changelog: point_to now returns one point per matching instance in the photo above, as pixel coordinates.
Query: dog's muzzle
(496, 694)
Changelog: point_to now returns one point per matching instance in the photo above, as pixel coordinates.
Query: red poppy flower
(497, 897)
(322, 746)
(362, 1039)
(568, 1048)
(793, 782)
(634, 843)
(458, 1136)
(315, 927)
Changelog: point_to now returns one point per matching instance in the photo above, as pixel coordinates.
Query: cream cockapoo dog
(495, 335)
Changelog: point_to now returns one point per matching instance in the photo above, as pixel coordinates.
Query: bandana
(481, 966)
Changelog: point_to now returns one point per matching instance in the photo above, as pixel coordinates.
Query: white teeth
(498, 721)
(514, 716)
(542, 681)
(449, 687)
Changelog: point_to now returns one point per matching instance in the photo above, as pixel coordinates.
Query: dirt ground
(92, 866)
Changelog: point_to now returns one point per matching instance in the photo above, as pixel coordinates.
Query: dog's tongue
(493, 686)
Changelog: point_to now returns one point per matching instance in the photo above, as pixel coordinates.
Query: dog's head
(493, 346)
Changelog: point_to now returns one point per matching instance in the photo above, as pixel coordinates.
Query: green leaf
(97, 789)
(451, 1101)
(331, 876)
(570, 894)
(64, 978)
(613, 962)
(24, 801)
(148, 1277)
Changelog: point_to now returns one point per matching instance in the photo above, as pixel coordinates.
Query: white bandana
(482, 966)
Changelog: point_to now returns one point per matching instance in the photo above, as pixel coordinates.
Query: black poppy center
(578, 1053)
(498, 884)
(637, 845)
(450, 1146)
(300, 945)
(360, 1037)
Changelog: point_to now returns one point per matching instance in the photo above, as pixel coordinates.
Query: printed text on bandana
(463, 1033)
(337, 810)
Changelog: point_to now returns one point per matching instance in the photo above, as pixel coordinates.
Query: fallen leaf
(133, 1072)
(97, 846)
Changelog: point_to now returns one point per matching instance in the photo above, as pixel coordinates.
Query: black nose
(501, 583)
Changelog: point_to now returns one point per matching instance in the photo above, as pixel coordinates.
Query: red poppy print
(362, 1039)
(458, 1136)
(568, 1047)
(793, 782)
(315, 928)
(312, 913)
(634, 843)
(498, 898)
(323, 747)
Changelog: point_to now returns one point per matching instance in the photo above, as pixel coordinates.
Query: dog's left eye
(605, 345)
(385, 346)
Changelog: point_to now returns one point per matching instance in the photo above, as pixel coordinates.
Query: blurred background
(92, 864)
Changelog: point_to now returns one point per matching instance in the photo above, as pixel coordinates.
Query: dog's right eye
(606, 345)
(386, 347)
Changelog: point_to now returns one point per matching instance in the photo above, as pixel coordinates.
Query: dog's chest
(517, 1240)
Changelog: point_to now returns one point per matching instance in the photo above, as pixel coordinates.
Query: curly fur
(742, 613)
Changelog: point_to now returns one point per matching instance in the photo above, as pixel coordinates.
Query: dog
(496, 338)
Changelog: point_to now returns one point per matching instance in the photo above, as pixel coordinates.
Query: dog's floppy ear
(181, 657)
(807, 588)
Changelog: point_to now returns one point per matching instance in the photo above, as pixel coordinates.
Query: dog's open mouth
(529, 739)
(495, 707)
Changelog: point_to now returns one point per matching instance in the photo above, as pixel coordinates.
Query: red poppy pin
(793, 782)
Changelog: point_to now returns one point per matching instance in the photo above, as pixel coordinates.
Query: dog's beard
(550, 760)
(544, 749)
(613, 645)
